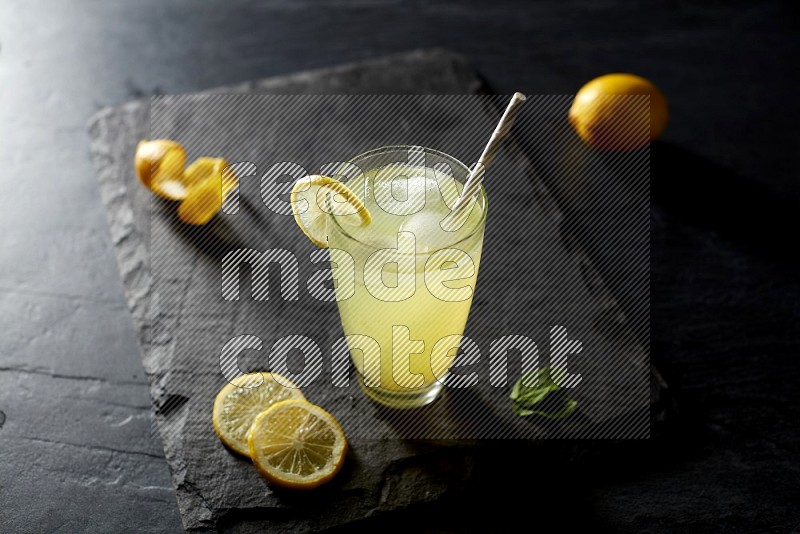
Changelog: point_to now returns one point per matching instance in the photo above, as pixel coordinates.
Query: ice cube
(398, 192)
(417, 190)
(427, 231)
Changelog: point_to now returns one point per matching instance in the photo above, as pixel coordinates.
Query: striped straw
(476, 176)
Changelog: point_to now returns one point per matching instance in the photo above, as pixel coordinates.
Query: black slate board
(214, 488)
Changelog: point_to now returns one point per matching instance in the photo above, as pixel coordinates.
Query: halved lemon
(239, 402)
(297, 445)
(208, 182)
(314, 197)
(159, 164)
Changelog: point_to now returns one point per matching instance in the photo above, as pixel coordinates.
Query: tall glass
(404, 285)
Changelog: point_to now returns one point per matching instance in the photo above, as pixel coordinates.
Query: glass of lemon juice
(411, 282)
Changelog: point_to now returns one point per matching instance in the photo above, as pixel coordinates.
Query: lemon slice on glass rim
(313, 198)
(241, 400)
(297, 445)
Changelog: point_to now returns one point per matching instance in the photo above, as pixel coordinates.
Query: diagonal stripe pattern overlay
(248, 291)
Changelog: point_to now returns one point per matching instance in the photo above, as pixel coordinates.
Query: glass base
(401, 400)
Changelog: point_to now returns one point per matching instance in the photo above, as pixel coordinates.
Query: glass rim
(482, 197)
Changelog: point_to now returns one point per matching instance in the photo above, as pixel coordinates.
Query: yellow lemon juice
(404, 285)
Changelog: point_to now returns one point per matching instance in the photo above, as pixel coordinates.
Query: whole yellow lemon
(604, 119)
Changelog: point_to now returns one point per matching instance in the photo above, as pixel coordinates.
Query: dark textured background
(75, 447)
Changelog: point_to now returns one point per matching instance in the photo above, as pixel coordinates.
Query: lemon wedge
(208, 183)
(297, 445)
(159, 164)
(314, 197)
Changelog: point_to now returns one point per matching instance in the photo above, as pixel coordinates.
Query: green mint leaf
(534, 387)
(569, 407)
(530, 399)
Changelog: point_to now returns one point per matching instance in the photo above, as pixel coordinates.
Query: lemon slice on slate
(239, 402)
(297, 445)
